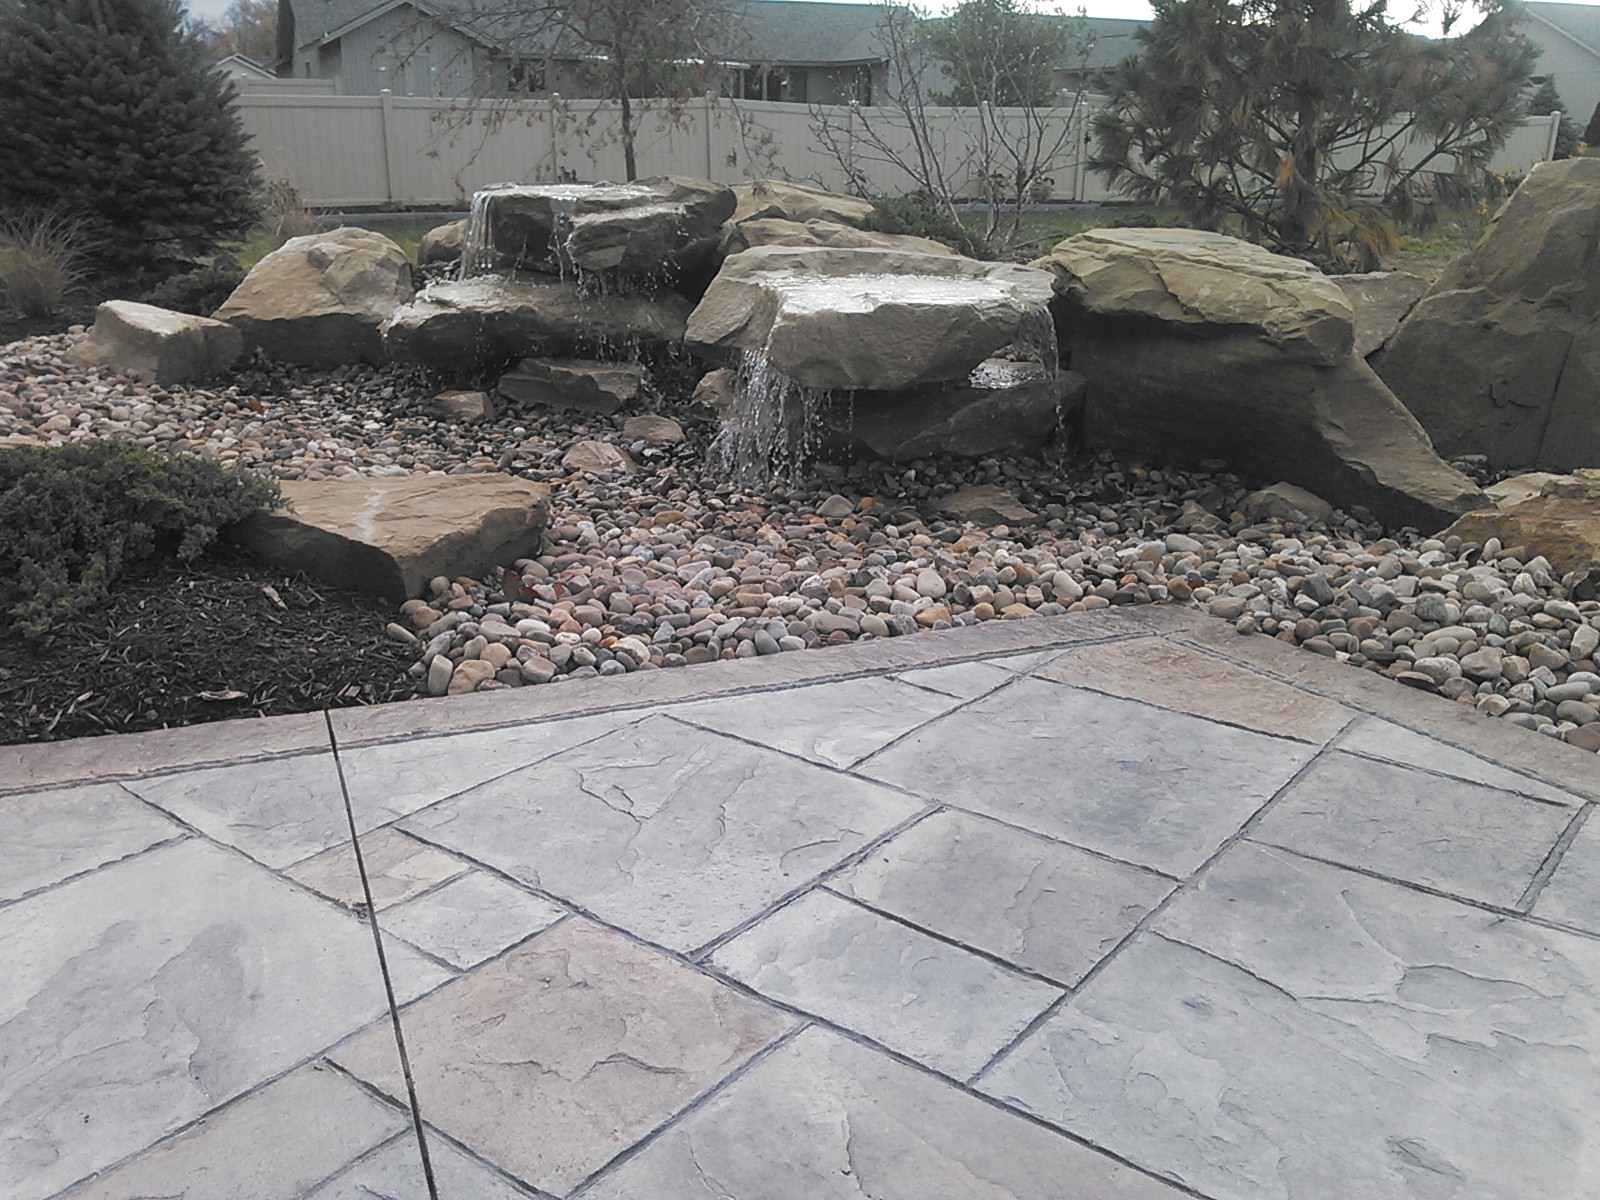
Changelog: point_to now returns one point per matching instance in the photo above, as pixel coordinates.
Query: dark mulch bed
(14, 326)
(181, 645)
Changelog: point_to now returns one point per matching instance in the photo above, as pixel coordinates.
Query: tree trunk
(629, 165)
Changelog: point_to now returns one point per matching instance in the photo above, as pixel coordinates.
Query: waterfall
(776, 426)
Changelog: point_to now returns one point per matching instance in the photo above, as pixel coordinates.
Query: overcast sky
(1095, 8)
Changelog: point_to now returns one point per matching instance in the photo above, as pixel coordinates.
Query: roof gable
(1579, 23)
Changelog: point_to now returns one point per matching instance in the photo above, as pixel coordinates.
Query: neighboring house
(242, 69)
(782, 50)
(1568, 37)
(800, 51)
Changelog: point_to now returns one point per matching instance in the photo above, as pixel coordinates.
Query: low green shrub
(73, 519)
(44, 258)
(200, 291)
(919, 216)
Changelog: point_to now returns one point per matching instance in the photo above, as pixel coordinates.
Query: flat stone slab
(836, 725)
(470, 919)
(822, 1118)
(673, 833)
(1294, 1029)
(1202, 685)
(1150, 787)
(1456, 837)
(288, 809)
(390, 536)
(1572, 896)
(150, 992)
(937, 1003)
(555, 1058)
(395, 1173)
(273, 1144)
(398, 867)
(965, 681)
(1039, 905)
(1381, 739)
(51, 836)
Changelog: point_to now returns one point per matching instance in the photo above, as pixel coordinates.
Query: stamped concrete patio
(1120, 905)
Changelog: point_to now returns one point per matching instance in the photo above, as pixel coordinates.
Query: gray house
(1568, 37)
(779, 50)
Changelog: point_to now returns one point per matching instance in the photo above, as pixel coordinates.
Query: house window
(527, 77)
(774, 83)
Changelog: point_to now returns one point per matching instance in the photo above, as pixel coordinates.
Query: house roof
(246, 63)
(1579, 22)
(802, 32)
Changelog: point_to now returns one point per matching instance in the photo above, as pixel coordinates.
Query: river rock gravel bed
(663, 563)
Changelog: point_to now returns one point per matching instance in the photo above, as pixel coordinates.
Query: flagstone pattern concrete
(1109, 907)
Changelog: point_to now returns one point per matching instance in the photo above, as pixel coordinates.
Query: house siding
(1576, 71)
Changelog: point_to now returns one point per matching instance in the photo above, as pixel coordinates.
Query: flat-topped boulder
(1002, 408)
(390, 536)
(738, 236)
(798, 202)
(1502, 356)
(321, 300)
(658, 228)
(581, 383)
(880, 320)
(487, 321)
(156, 344)
(1199, 346)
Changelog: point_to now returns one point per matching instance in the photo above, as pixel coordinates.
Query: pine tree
(112, 113)
(1546, 100)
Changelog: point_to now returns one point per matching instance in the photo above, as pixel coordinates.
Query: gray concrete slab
(1202, 685)
(557, 1057)
(470, 918)
(833, 724)
(273, 1144)
(1038, 904)
(54, 835)
(395, 1173)
(1442, 833)
(1386, 740)
(1150, 787)
(398, 867)
(139, 997)
(965, 681)
(822, 1118)
(284, 810)
(1278, 1026)
(672, 832)
(1572, 896)
(931, 1001)
(1293, 1029)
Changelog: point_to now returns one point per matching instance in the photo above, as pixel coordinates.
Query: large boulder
(1380, 301)
(1502, 356)
(881, 320)
(1003, 408)
(1560, 519)
(738, 236)
(158, 345)
(658, 228)
(797, 202)
(485, 322)
(442, 244)
(1196, 346)
(389, 537)
(321, 300)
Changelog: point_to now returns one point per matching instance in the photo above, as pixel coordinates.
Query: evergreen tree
(1546, 100)
(112, 113)
(1297, 123)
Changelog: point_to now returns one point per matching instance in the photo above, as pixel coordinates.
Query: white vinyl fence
(359, 151)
